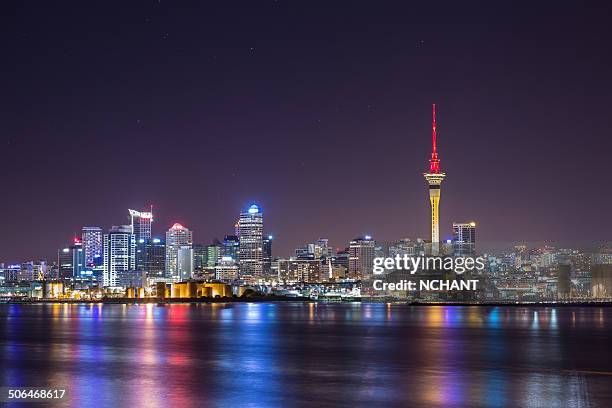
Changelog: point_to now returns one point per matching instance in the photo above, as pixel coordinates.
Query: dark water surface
(309, 354)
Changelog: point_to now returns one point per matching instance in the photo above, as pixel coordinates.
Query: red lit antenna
(434, 163)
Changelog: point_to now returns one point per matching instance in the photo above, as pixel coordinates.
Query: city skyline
(328, 131)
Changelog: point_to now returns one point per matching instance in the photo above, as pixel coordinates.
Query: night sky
(319, 111)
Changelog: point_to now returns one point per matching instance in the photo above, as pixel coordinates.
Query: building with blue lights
(250, 235)
(119, 254)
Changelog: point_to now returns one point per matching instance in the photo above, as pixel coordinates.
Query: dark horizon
(319, 112)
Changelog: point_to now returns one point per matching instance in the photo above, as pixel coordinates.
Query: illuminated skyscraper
(71, 260)
(231, 247)
(267, 255)
(141, 224)
(155, 258)
(91, 237)
(361, 257)
(213, 254)
(141, 227)
(78, 258)
(177, 238)
(119, 254)
(185, 262)
(64, 262)
(434, 178)
(250, 234)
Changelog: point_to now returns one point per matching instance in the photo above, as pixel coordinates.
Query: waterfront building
(361, 257)
(177, 237)
(185, 262)
(91, 237)
(267, 255)
(214, 253)
(226, 270)
(155, 258)
(200, 257)
(119, 254)
(231, 247)
(141, 222)
(250, 228)
(64, 262)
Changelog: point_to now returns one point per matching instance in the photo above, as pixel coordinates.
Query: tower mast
(434, 178)
(434, 162)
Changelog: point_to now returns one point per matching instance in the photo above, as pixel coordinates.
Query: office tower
(231, 247)
(71, 260)
(155, 258)
(213, 254)
(464, 238)
(266, 258)
(200, 257)
(141, 227)
(91, 237)
(177, 237)
(185, 262)
(361, 257)
(250, 228)
(78, 258)
(226, 270)
(119, 254)
(64, 262)
(141, 224)
(434, 179)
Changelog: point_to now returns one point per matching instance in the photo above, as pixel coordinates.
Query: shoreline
(138, 301)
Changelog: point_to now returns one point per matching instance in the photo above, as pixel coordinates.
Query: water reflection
(311, 354)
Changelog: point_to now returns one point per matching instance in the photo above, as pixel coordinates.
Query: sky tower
(434, 178)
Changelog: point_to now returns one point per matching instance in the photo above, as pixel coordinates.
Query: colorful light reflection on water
(309, 354)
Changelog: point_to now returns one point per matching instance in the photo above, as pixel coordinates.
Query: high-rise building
(91, 237)
(78, 258)
(141, 224)
(155, 258)
(464, 238)
(266, 258)
(231, 247)
(185, 262)
(177, 237)
(200, 257)
(250, 228)
(213, 254)
(71, 260)
(141, 227)
(434, 178)
(361, 257)
(119, 254)
(226, 270)
(64, 262)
